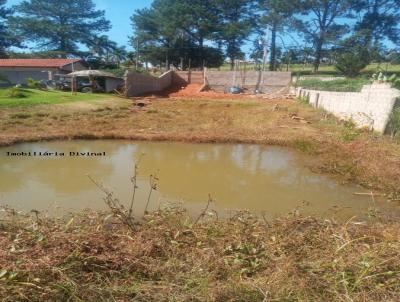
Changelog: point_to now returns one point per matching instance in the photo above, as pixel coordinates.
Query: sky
(119, 13)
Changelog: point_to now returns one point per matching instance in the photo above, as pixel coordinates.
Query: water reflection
(258, 178)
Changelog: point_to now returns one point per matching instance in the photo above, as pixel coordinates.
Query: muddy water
(258, 178)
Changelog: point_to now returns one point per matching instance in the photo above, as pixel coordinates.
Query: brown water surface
(258, 178)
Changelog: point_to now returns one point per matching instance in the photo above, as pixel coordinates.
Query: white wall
(370, 108)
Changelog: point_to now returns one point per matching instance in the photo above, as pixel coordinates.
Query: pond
(53, 176)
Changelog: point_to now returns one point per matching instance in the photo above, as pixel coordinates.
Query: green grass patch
(39, 97)
(341, 85)
(304, 146)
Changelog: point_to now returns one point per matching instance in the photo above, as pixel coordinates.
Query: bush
(15, 93)
(353, 55)
(394, 125)
(351, 63)
(33, 83)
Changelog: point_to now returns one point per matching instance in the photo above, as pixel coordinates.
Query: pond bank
(169, 257)
(337, 148)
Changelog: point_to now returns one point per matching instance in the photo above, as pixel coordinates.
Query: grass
(40, 97)
(343, 85)
(170, 257)
(327, 70)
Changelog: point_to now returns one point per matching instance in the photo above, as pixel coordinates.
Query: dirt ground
(337, 148)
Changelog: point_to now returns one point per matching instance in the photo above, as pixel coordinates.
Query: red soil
(193, 91)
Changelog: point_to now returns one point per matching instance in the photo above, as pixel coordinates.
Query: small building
(105, 81)
(16, 71)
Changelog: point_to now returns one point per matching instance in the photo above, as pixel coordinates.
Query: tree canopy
(59, 25)
(7, 39)
(200, 33)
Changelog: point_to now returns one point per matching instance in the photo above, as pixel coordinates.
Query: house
(18, 70)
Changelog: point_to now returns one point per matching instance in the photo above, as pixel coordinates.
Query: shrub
(351, 63)
(349, 131)
(15, 93)
(395, 123)
(303, 100)
(33, 83)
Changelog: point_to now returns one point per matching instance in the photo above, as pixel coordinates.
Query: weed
(394, 124)
(20, 115)
(349, 131)
(303, 100)
(42, 114)
(15, 93)
(304, 146)
(33, 84)
(91, 257)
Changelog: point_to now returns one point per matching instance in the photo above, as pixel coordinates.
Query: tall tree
(6, 38)
(321, 24)
(277, 15)
(236, 22)
(379, 21)
(173, 31)
(102, 47)
(58, 24)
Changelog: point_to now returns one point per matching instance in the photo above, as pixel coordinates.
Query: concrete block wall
(139, 84)
(188, 77)
(270, 81)
(370, 108)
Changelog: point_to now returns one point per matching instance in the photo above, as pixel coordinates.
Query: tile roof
(53, 63)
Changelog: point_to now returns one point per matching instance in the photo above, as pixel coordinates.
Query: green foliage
(394, 80)
(349, 131)
(343, 85)
(352, 55)
(352, 61)
(15, 93)
(277, 15)
(303, 100)
(7, 38)
(236, 22)
(321, 26)
(379, 20)
(58, 24)
(176, 31)
(33, 84)
(304, 146)
(394, 124)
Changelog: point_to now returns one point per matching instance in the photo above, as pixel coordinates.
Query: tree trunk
(272, 64)
(232, 58)
(318, 54)
(201, 52)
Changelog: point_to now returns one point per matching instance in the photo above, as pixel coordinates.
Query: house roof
(41, 63)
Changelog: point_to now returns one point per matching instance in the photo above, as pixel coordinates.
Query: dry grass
(89, 257)
(355, 156)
